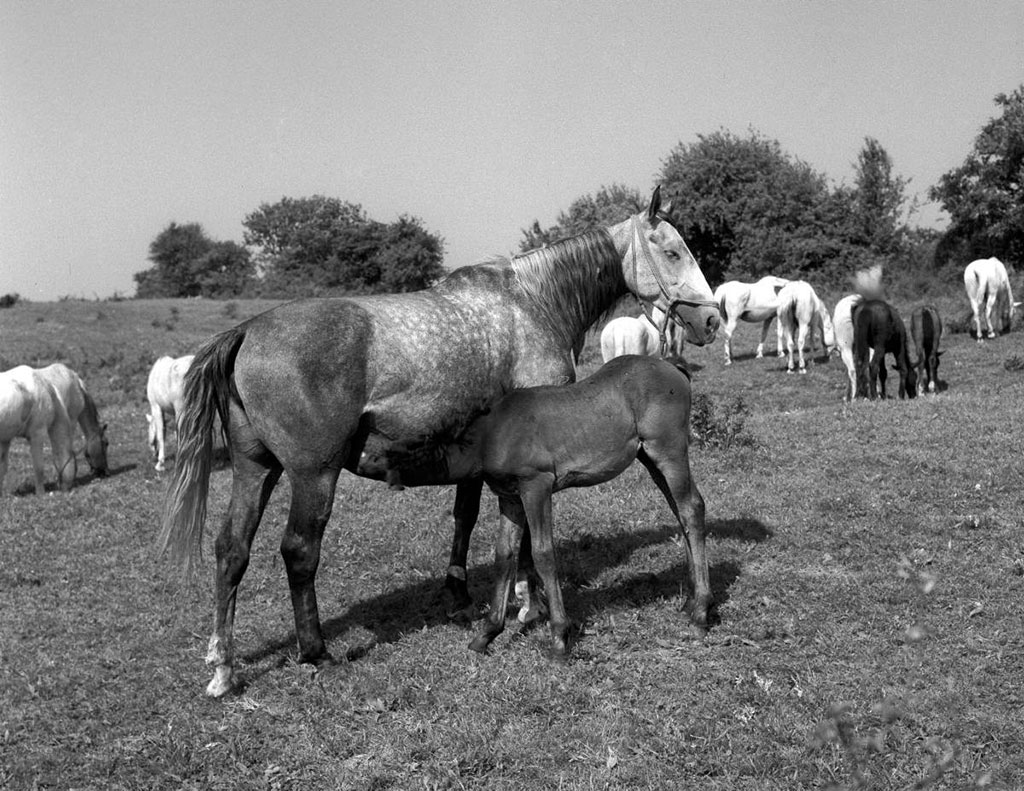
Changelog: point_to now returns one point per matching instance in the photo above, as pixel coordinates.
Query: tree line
(745, 206)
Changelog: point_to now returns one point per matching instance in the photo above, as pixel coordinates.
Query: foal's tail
(208, 388)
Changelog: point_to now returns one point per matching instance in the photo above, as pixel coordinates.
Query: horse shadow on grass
(389, 616)
(27, 487)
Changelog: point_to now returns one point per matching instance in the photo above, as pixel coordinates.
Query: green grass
(867, 562)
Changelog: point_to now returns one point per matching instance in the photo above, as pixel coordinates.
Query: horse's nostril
(713, 321)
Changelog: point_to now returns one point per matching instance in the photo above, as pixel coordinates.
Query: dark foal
(926, 330)
(878, 327)
(540, 440)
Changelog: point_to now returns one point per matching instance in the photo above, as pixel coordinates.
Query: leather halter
(638, 242)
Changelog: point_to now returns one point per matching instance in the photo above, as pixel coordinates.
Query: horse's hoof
(222, 683)
(462, 615)
(480, 643)
(728, 362)
(803, 370)
(789, 370)
(159, 468)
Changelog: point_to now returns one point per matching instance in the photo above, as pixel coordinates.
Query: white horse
(165, 391)
(987, 283)
(800, 310)
(30, 408)
(751, 302)
(81, 409)
(842, 321)
(640, 335)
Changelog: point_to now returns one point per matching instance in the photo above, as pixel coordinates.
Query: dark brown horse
(316, 386)
(539, 440)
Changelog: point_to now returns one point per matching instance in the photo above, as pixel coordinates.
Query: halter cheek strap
(638, 242)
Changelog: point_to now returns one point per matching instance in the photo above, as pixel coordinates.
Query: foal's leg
(251, 486)
(668, 463)
(510, 532)
(536, 496)
(459, 605)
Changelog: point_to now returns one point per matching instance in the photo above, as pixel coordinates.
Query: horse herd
(470, 382)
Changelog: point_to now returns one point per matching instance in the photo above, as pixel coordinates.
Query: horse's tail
(208, 389)
(868, 282)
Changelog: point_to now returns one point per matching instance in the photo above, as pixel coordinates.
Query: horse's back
(164, 387)
(27, 402)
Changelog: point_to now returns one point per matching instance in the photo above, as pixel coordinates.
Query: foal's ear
(655, 207)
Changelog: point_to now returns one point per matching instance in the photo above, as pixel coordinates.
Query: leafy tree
(748, 209)
(608, 206)
(985, 195)
(408, 257)
(321, 245)
(187, 263)
(878, 202)
(225, 270)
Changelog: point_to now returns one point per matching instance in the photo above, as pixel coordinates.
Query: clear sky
(117, 118)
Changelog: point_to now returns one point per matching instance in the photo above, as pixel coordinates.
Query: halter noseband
(672, 302)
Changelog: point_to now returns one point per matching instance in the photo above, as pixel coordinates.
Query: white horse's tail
(868, 282)
(208, 388)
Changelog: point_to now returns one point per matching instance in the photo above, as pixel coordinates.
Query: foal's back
(588, 432)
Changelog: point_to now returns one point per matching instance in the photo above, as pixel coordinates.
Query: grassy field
(867, 562)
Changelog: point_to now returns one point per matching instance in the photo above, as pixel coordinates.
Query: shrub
(9, 300)
(712, 426)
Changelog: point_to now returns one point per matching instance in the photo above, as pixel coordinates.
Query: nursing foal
(539, 440)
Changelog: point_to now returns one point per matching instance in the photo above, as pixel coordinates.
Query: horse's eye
(672, 254)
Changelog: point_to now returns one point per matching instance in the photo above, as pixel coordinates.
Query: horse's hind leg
(511, 531)
(459, 605)
(5, 449)
(251, 487)
(669, 466)
(312, 501)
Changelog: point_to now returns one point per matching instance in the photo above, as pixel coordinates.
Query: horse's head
(661, 271)
(96, 451)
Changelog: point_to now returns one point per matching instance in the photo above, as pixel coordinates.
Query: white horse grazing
(800, 310)
(751, 302)
(30, 408)
(165, 393)
(842, 321)
(629, 335)
(81, 409)
(987, 283)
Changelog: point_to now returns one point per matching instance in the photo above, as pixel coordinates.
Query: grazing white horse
(81, 409)
(30, 408)
(165, 391)
(842, 322)
(751, 302)
(640, 335)
(800, 310)
(987, 283)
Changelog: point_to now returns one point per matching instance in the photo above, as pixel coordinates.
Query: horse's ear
(655, 207)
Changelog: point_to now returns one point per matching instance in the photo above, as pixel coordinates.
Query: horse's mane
(572, 282)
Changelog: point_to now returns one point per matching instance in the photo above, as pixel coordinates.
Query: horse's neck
(89, 418)
(573, 283)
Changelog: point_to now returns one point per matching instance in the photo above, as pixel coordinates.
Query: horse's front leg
(727, 331)
(36, 445)
(510, 532)
(990, 306)
(156, 436)
(5, 449)
(536, 497)
(458, 604)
